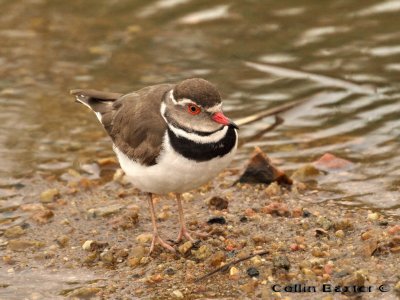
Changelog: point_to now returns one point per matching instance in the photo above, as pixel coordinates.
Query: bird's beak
(219, 117)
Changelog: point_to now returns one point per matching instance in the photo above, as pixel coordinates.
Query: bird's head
(195, 105)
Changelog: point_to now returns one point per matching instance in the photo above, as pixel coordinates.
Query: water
(342, 56)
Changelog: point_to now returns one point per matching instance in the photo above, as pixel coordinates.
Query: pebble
(281, 262)
(217, 258)
(43, 216)
(105, 211)
(259, 238)
(325, 223)
(133, 262)
(273, 190)
(216, 220)
(184, 248)
(137, 252)
(49, 195)
(87, 245)
(13, 232)
(108, 257)
(169, 271)
(276, 209)
(233, 271)
(394, 230)
(256, 260)
(203, 252)
(21, 245)
(339, 233)
(144, 238)
(366, 235)
(62, 241)
(217, 203)
(373, 216)
(253, 272)
(305, 173)
(84, 292)
(177, 294)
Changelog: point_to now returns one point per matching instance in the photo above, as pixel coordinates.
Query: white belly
(173, 172)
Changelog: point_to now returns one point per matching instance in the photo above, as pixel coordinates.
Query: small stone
(325, 223)
(243, 219)
(84, 292)
(169, 271)
(216, 220)
(14, 232)
(339, 233)
(394, 230)
(331, 163)
(273, 190)
(233, 271)
(397, 287)
(137, 252)
(366, 235)
(373, 216)
(43, 216)
(105, 211)
(203, 252)
(133, 262)
(49, 195)
(144, 238)
(256, 261)
(177, 294)
(184, 248)
(108, 257)
(276, 209)
(253, 272)
(281, 262)
(145, 260)
(62, 241)
(87, 245)
(259, 239)
(217, 203)
(261, 170)
(21, 245)
(217, 258)
(305, 173)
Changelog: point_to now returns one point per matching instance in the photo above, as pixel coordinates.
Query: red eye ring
(193, 109)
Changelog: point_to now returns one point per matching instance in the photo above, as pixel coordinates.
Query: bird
(168, 138)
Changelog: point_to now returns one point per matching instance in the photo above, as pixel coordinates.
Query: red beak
(219, 117)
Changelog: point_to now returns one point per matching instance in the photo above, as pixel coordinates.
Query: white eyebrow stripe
(182, 102)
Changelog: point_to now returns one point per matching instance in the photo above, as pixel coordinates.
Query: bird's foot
(186, 233)
(160, 241)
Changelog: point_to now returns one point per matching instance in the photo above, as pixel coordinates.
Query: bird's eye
(194, 109)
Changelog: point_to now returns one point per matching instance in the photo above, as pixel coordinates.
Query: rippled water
(341, 56)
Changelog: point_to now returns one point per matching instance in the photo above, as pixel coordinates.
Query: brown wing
(133, 120)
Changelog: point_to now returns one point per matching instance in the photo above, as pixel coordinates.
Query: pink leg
(183, 232)
(156, 237)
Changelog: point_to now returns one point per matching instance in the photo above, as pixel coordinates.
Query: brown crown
(198, 90)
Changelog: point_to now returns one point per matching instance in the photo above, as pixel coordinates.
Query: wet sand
(76, 237)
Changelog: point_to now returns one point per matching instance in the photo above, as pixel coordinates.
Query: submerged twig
(232, 263)
(278, 121)
(269, 112)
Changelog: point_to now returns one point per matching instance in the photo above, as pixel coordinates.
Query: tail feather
(99, 102)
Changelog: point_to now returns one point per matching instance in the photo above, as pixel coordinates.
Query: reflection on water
(341, 56)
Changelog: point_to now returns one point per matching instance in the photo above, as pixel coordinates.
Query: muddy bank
(86, 235)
